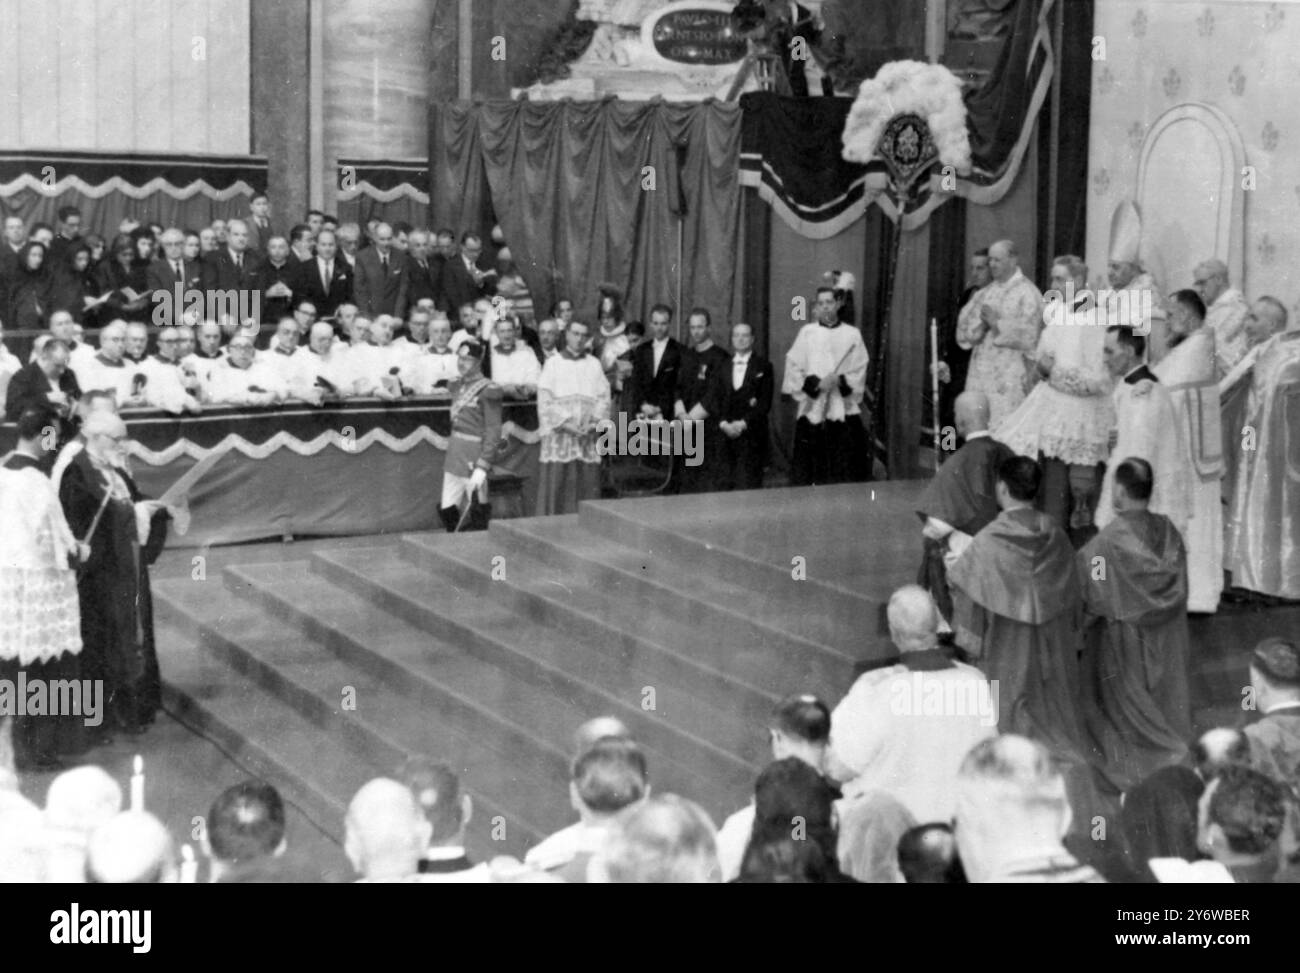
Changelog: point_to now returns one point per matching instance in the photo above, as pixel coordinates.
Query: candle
(137, 784)
(189, 866)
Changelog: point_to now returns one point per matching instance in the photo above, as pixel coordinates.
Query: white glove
(477, 478)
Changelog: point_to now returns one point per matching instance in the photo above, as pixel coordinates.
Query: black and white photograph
(652, 441)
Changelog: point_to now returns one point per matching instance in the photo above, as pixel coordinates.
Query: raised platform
(322, 664)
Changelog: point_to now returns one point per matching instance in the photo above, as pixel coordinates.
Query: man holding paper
(125, 534)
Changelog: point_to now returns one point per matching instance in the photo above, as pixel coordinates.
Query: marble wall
(281, 106)
(125, 75)
(376, 78)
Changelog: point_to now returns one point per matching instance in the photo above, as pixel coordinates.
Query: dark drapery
(392, 190)
(178, 191)
(587, 192)
(792, 146)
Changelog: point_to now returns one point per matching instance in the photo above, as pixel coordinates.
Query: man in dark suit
(279, 278)
(425, 282)
(233, 267)
(170, 269)
(655, 367)
(463, 280)
(259, 225)
(15, 237)
(44, 384)
(701, 397)
(326, 280)
(743, 443)
(68, 236)
(380, 284)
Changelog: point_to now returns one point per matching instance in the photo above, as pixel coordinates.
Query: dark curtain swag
(592, 192)
(184, 191)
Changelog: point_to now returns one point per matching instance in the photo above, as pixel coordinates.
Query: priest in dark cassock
(126, 533)
(961, 500)
(1016, 611)
(1136, 700)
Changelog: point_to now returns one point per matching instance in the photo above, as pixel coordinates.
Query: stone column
(280, 103)
(376, 79)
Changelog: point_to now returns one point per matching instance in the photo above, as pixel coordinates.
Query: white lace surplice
(572, 389)
(40, 617)
(1069, 415)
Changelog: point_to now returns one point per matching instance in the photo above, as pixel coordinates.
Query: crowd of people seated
(236, 314)
(866, 791)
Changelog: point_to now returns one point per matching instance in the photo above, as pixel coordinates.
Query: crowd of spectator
(833, 805)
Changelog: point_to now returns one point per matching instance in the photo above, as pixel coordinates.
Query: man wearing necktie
(743, 444)
(259, 223)
(234, 269)
(424, 282)
(169, 270)
(326, 279)
(380, 282)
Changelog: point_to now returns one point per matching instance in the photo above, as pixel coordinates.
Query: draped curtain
(391, 190)
(182, 191)
(592, 192)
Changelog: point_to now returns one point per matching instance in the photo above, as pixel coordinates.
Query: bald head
(132, 848)
(82, 799)
(386, 832)
(101, 423)
(1219, 748)
(1003, 260)
(1210, 279)
(1009, 794)
(600, 728)
(1266, 317)
(112, 341)
(913, 619)
(971, 410)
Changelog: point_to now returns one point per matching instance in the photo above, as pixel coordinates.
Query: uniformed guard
(474, 445)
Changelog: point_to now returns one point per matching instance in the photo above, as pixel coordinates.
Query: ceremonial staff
(822, 403)
(934, 385)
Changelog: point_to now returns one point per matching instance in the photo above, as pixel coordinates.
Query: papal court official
(573, 395)
(126, 533)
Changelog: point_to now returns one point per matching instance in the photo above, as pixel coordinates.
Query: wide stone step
(253, 726)
(723, 617)
(309, 680)
(817, 607)
(591, 677)
(655, 636)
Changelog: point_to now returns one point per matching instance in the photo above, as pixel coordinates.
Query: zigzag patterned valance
(384, 180)
(137, 175)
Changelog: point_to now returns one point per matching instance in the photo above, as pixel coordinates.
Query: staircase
(320, 666)
(488, 650)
